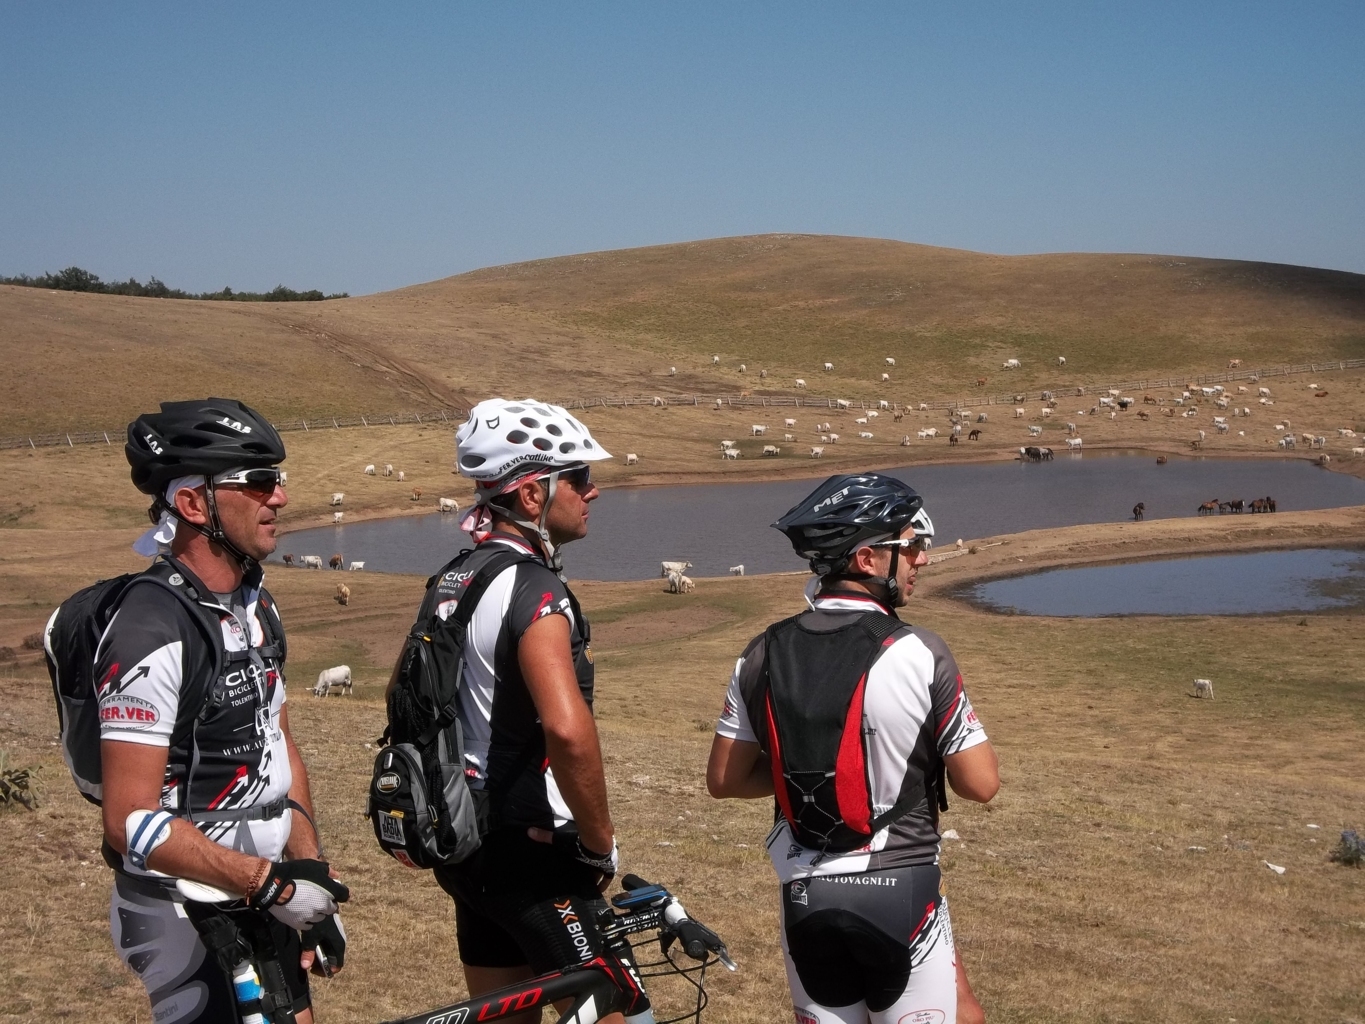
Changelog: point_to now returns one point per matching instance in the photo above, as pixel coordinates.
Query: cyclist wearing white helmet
(851, 718)
(527, 900)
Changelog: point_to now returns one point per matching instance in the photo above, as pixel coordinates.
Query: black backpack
(423, 811)
(72, 638)
(808, 707)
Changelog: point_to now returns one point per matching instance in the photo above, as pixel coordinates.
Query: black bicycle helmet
(206, 436)
(845, 512)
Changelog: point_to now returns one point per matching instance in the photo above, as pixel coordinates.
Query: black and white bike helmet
(205, 437)
(847, 512)
(505, 441)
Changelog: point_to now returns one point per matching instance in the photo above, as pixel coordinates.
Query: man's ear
(531, 498)
(192, 505)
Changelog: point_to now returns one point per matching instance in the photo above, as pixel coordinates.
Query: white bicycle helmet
(502, 437)
(504, 442)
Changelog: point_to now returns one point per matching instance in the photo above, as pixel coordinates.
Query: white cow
(842, 403)
(388, 469)
(817, 452)
(982, 417)
(833, 438)
(657, 402)
(861, 421)
(336, 517)
(886, 378)
(1358, 451)
(905, 441)
(632, 458)
(890, 361)
(800, 382)
(1019, 414)
(1241, 389)
(828, 367)
(1263, 392)
(667, 568)
(679, 584)
(737, 570)
(401, 476)
(369, 470)
(715, 360)
(1061, 360)
(448, 504)
(1073, 442)
(931, 432)
(720, 403)
(758, 429)
(883, 404)
(729, 453)
(1203, 688)
(872, 414)
(924, 407)
(336, 678)
(866, 435)
(743, 368)
(1046, 412)
(311, 561)
(789, 422)
(771, 449)
(1034, 431)
(337, 497)
(356, 566)
(672, 371)
(1010, 364)
(788, 437)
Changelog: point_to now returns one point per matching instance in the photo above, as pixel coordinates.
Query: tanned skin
(740, 769)
(133, 772)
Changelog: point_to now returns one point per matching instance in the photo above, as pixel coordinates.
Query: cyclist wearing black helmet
(200, 777)
(851, 719)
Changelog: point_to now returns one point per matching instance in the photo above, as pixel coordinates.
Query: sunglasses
(904, 542)
(250, 479)
(579, 478)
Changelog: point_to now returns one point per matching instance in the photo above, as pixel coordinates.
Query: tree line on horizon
(75, 279)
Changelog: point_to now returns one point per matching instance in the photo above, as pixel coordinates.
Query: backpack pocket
(422, 810)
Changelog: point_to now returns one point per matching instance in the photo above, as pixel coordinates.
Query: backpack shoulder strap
(483, 578)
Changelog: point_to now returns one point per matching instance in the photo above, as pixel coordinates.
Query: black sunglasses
(579, 478)
(250, 479)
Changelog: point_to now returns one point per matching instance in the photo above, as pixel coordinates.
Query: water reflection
(1263, 582)
(716, 526)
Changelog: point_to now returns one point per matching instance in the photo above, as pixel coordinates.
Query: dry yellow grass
(612, 323)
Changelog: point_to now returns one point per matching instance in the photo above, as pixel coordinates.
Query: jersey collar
(515, 543)
(848, 603)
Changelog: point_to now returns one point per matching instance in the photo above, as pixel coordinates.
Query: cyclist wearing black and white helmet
(851, 719)
(200, 777)
(526, 901)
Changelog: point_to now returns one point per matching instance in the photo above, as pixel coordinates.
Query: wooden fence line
(798, 401)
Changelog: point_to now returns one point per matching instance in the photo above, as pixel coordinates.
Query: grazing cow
(1071, 428)
(737, 570)
(1061, 360)
(743, 368)
(788, 437)
(1203, 688)
(632, 458)
(883, 404)
(1320, 394)
(1358, 451)
(1032, 453)
(886, 378)
(311, 562)
(657, 402)
(336, 678)
(824, 439)
(770, 449)
(890, 361)
(866, 435)
(343, 595)
(1073, 442)
(356, 566)
(982, 417)
(1010, 364)
(974, 435)
(679, 584)
(1241, 389)
(284, 477)
(337, 497)
(1034, 431)
(833, 438)
(1126, 403)
(1208, 508)
(729, 453)
(336, 517)
(671, 567)
(1222, 428)
(861, 421)
(1148, 400)
(1020, 413)
(981, 381)
(758, 429)
(1046, 412)
(1044, 454)
(1138, 511)
(335, 562)
(842, 403)
(720, 403)
(931, 431)
(401, 476)
(1263, 392)
(957, 429)
(1234, 363)
(828, 367)
(905, 441)
(789, 422)
(715, 360)
(288, 559)
(897, 416)
(388, 469)
(416, 494)
(924, 407)
(800, 382)
(448, 504)
(817, 452)
(953, 439)
(1143, 415)
(672, 371)
(762, 374)
(921, 434)
(369, 470)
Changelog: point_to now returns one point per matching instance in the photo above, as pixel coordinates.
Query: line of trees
(75, 279)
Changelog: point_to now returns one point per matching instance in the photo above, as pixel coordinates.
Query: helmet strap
(553, 557)
(213, 530)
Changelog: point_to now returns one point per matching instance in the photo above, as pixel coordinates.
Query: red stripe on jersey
(775, 756)
(928, 913)
(948, 717)
(237, 777)
(850, 768)
(545, 599)
(99, 690)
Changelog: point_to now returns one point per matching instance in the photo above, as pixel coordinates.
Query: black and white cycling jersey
(152, 670)
(504, 741)
(916, 711)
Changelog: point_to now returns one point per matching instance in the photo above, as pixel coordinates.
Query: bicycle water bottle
(247, 987)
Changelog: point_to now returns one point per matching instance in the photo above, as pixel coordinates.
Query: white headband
(157, 540)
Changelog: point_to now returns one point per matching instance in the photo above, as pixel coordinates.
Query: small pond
(716, 526)
(1257, 583)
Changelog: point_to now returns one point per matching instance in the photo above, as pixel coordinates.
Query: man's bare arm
(974, 773)
(304, 841)
(738, 768)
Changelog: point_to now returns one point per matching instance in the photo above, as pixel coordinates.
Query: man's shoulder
(936, 645)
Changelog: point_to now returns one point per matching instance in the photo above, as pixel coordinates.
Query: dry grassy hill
(613, 322)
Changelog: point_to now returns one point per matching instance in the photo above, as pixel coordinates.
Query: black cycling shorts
(857, 938)
(520, 902)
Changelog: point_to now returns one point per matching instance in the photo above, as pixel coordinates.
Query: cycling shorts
(156, 940)
(519, 902)
(874, 947)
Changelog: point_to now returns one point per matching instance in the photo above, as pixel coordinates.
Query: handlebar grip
(629, 882)
(697, 940)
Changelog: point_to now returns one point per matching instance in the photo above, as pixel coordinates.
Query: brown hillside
(613, 322)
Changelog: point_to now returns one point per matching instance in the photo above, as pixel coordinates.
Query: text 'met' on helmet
(503, 437)
(206, 436)
(847, 511)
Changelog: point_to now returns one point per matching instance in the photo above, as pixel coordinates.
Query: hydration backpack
(423, 811)
(807, 705)
(72, 638)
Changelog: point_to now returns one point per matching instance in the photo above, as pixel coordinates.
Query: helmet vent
(553, 428)
(543, 444)
(527, 421)
(567, 446)
(518, 437)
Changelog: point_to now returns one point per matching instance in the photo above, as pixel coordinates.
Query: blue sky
(364, 147)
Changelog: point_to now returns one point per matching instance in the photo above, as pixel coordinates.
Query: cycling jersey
(504, 741)
(915, 711)
(227, 764)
